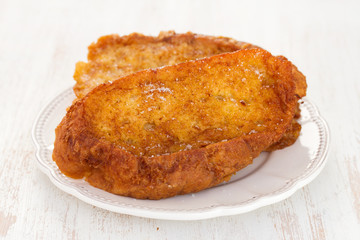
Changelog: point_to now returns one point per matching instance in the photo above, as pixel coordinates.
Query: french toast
(179, 129)
(112, 57)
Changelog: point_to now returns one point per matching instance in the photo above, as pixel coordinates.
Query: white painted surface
(40, 43)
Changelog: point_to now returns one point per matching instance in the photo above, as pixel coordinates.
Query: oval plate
(271, 178)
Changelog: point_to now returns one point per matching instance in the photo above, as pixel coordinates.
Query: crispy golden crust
(84, 147)
(289, 137)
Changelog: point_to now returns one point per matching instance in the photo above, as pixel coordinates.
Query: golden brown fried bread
(113, 56)
(289, 137)
(181, 128)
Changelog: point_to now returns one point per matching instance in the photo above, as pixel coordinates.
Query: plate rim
(188, 214)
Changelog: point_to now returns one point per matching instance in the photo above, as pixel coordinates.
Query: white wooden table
(40, 42)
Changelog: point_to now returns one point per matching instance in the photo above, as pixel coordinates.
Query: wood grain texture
(40, 42)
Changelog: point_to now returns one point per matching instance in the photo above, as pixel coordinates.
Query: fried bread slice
(178, 129)
(112, 57)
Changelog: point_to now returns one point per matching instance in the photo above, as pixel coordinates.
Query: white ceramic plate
(271, 178)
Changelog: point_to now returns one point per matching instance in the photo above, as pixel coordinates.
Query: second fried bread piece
(178, 129)
(113, 56)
